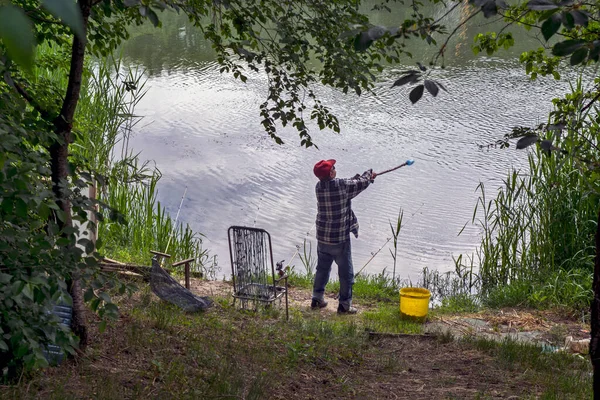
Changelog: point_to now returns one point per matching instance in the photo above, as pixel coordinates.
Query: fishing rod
(372, 257)
(176, 219)
(407, 162)
(258, 210)
(387, 241)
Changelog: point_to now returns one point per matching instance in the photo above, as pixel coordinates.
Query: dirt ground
(391, 367)
(415, 368)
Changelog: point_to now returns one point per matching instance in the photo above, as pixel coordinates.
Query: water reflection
(178, 45)
(203, 130)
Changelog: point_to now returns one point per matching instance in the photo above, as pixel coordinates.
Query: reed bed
(537, 246)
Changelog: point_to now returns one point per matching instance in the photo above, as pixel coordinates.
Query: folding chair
(252, 269)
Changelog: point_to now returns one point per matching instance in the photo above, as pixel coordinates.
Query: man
(335, 221)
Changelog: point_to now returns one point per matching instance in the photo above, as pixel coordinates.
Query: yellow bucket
(414, 303)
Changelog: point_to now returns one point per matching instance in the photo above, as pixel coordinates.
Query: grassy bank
(156, 351)
(134, 222)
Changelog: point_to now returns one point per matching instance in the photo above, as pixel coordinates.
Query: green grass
(537, 244)
(460, 303)
(562, 375)
(368, 288)
(386, 318)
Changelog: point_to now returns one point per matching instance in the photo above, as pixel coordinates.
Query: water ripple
(204, 131)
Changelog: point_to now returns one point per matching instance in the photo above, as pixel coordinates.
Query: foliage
(36, 255)
(31, 269)
(539, 227)
(296, 44)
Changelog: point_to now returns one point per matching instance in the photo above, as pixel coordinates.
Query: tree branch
(443, 48)
(21, 90)
(64, 121)
(591, 102)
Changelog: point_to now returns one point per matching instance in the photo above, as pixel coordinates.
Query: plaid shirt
(335, 218)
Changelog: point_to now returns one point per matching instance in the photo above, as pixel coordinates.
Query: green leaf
(112, 309)
(104, 296)
(568, 20)
(21, 208)
(527, 141)
(68, 12)
(551, 26)
(153, 17)
(431, 87)
(88, 295)
(102, 327)
(489, 8)
(17, 35)
(44, 211)
(567, 47)
(7, 205)
(579, 56)
(3, 345)
(408, 78)
(5, 278)
(94, 304)
(580, 17)
(595, 51)
(416, 94)
(362, 42)
(541, 5)
(28, 291)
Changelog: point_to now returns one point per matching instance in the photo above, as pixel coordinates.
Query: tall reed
(538, 232)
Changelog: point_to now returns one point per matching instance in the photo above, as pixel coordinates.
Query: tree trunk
(595, 321)
(59, 165)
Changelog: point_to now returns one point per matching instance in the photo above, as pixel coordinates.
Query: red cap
(322, 169)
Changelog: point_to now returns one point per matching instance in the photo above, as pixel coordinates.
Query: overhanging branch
(46, 115)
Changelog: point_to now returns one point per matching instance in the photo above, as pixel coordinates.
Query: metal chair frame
(252, 268)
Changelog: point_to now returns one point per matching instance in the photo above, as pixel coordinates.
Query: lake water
(203, 130)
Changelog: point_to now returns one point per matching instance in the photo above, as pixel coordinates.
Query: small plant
(445, 336)
(395, 233)
(513, 295)
(146, 295)
(162, 314)
(378, 287)
(459, 303)
(308, 260)
(387, 319)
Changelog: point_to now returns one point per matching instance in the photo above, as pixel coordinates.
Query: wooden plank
(138, 269)
(178, 263)
(158, 253)
(110, 260)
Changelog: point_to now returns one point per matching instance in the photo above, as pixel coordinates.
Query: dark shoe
(343, 310)
(316, 304)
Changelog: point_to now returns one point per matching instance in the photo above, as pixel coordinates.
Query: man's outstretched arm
(358, 183)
